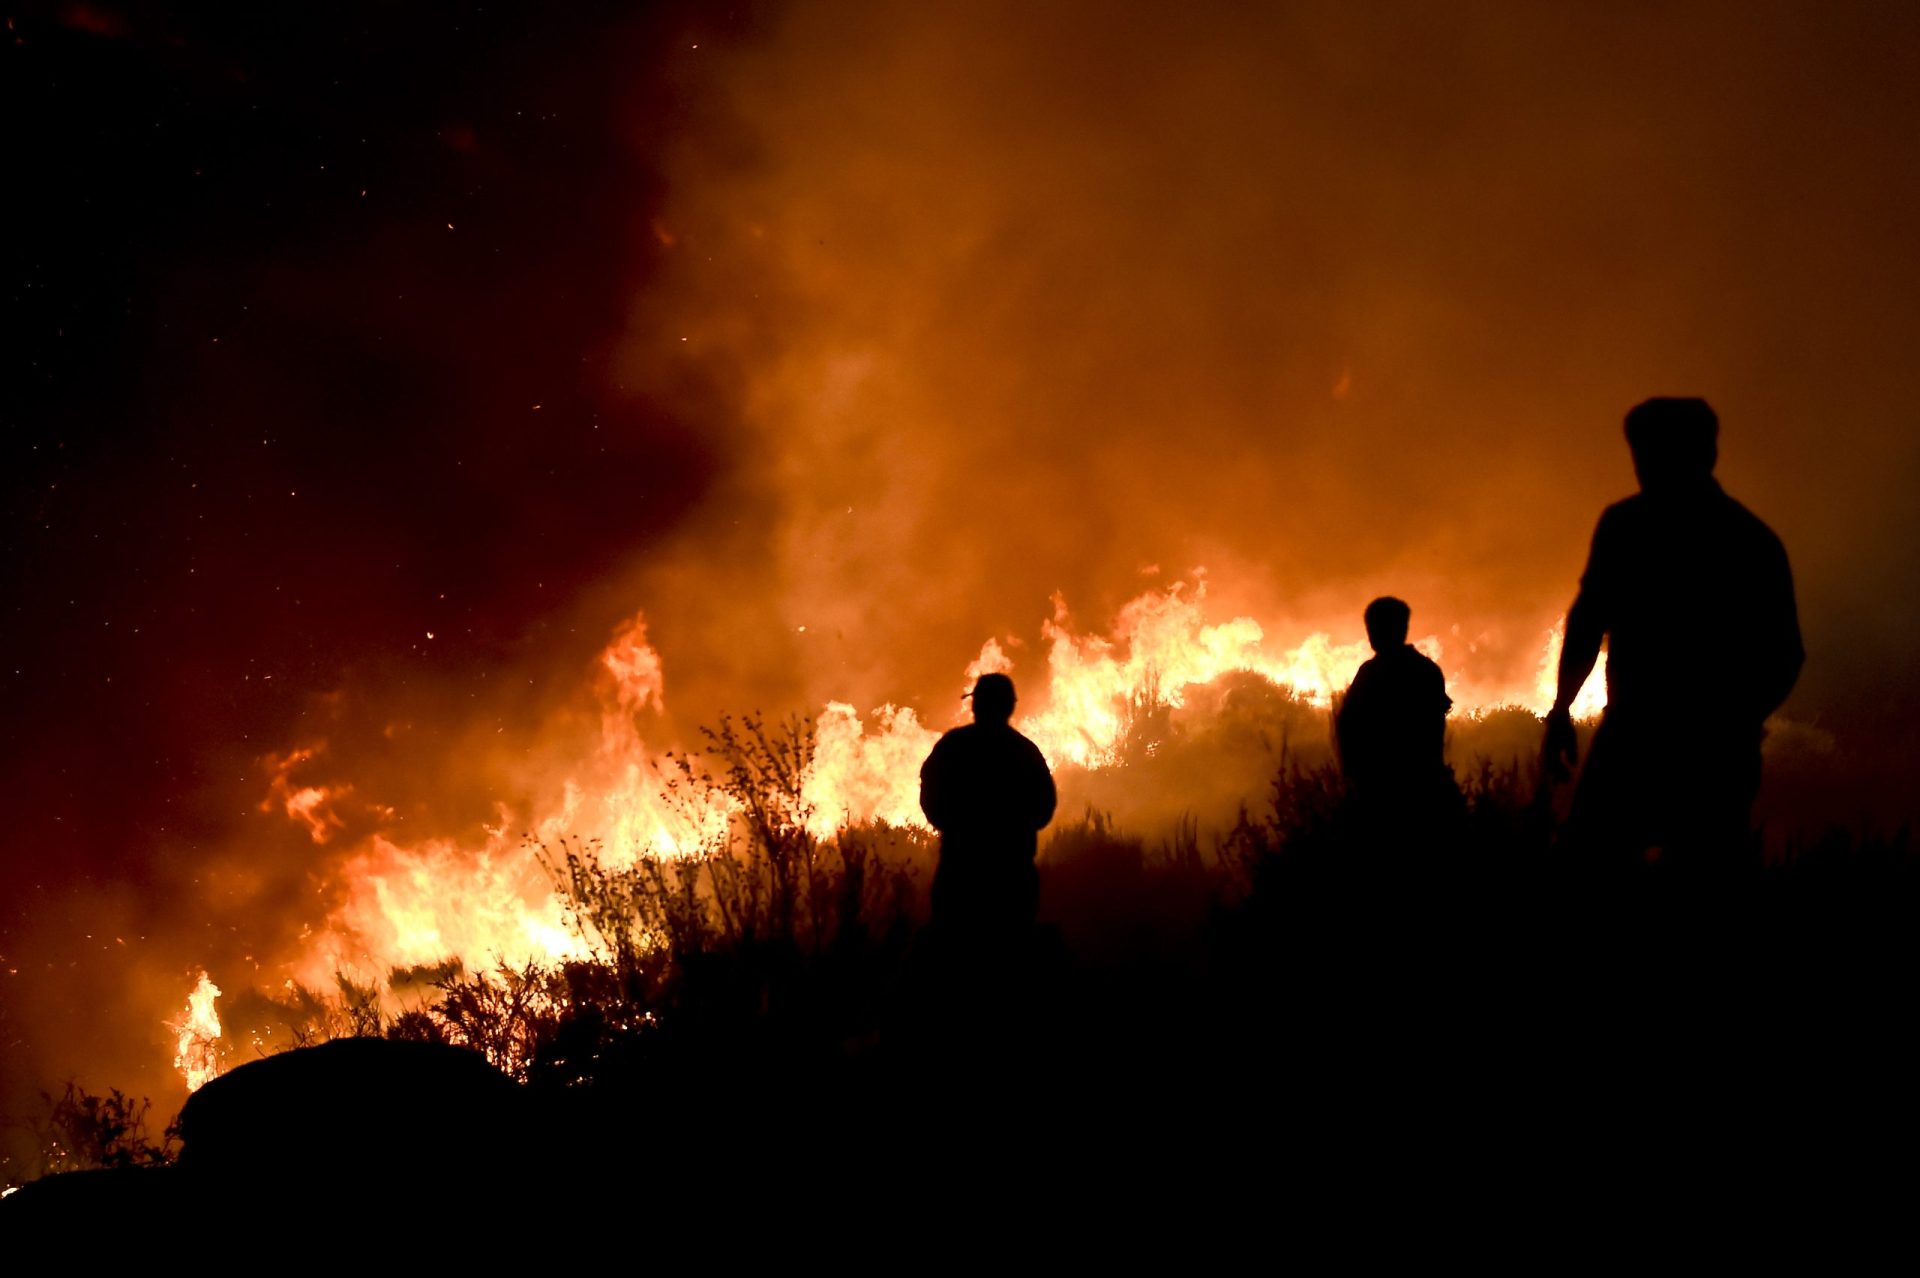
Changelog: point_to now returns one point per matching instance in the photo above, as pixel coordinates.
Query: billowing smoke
(1328, 300)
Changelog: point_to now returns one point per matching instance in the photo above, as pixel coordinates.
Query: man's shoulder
(1620, 528)
(1624, 513)
(1750, 525)
(1643, 516)
(1362, 686)
(951, 740)
(1409, 659)
(1424, 673)
(1026, 744)
(982, 736)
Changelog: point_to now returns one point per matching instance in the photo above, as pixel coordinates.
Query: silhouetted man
(987, 789)
(1392, 725)
(1694, 598)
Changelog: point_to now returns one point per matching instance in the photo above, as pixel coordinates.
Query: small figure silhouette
(987, 789)
(1391, 727)
(1694, 597)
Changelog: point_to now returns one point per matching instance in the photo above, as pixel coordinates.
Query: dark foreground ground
(1383, 1043)
(1451, 1035)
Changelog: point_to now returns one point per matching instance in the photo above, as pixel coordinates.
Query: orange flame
(411, 904)
(198, 1048)
(1592, 697)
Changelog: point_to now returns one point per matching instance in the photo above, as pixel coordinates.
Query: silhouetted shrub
(85, 1131)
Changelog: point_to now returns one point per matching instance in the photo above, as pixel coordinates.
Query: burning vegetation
(198, 1057)
(772, 990)
(1133, 721)
(751, 970)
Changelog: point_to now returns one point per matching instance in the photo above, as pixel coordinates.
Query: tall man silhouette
(1694, 597)
(987, 789)
(1391, 728)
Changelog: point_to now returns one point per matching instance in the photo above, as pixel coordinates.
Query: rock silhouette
(383, 1111)
(389, 1123)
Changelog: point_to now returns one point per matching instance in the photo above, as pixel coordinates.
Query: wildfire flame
(198, 1054)
(404, 905)
(1592, 698)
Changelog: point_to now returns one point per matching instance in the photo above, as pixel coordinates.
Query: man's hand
(1560, 749)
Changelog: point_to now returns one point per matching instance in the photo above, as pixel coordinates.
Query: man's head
(1674, 442)
(992, 699)
(1387, 620)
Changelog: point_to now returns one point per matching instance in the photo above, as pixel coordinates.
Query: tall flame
(198, 1048)
(1592, 697)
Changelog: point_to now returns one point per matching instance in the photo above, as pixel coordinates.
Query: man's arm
(1784, 653)
(1437, 678)
(1587, 625)
(933, 789)
(1045, 796)
(1441, 703)
(1586, 628)
(1579, 650)
(1352, 733)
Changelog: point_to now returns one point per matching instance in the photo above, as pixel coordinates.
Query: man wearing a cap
(988, 791)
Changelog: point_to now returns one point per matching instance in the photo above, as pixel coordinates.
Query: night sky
(310, 321)
(367, 363)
